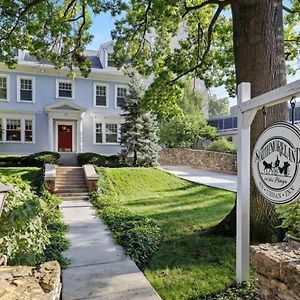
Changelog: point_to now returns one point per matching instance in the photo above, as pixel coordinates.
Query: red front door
(65, 138)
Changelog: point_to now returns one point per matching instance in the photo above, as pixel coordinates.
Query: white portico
(65, 126)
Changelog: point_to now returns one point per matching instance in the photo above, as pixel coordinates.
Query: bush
(34, 160)
(100, 160)
(138, 235)
(290, 218)
(222, 145)
(31, 231)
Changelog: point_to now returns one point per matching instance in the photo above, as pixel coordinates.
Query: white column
(79, 136)
(243, 188)
(50, 134)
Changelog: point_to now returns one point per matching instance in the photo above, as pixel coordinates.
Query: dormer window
(65, 89)
(110, 60)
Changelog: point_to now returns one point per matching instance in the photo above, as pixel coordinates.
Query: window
(26, 87)
(28, 130)
(1, 131)
(100, 95)
(64, 89)
(13, 130)
(99, 139)
(110, 60)
(121, 94)
(111, 133)
(3, 88)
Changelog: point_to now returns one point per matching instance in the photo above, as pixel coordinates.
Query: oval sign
(276, 163)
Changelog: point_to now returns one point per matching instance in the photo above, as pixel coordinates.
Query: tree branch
(289, 10)
(209, 40)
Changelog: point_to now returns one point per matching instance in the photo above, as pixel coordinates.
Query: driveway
(215, 179)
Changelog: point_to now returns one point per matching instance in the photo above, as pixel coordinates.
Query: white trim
(68, 123)
(116, 94)
(19, 88)
(64, 81)
(7, 87)
(100, 120)
(107, 93)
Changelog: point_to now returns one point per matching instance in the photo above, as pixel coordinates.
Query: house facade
(41, 109)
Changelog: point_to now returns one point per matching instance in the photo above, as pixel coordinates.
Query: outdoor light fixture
(4, 189)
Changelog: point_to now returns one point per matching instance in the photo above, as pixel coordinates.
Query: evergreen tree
(139, 132)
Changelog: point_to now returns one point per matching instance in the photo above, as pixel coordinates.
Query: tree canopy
(218, 107)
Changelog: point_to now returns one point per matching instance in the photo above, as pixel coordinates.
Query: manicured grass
(27, 173)
(190, 263)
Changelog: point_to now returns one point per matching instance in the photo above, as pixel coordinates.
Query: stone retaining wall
(278, 270)
(27, 283)
(209, 160)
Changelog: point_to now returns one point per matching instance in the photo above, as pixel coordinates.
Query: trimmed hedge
(100, 160)
(222, 145)
(38, 159)
(139, 235)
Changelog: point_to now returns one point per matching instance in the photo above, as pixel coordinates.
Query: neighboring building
(42, 109)
(227, 125)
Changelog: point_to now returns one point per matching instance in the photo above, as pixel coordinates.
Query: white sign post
(246, 112)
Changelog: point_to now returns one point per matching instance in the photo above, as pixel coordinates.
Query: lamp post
(4, 189)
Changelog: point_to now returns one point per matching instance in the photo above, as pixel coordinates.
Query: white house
(42, 109)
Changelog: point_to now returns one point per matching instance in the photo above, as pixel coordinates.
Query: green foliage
(290, 218)
(189, 126)
(222, 145)
(100, 160)
(38, 159)
(189, 263)
(31, 230)
(218, 107)
(139, 235)
(139, 131)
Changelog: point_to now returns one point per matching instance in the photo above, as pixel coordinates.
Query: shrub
(138, 235)
(222, 145)
(34, 160)
(290, 218)
(100, 160)
(31, 231)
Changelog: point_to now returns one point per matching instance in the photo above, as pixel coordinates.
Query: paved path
(214, 179)
(99, 269)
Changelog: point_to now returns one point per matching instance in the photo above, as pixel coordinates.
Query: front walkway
(99, 269)
(210, 178)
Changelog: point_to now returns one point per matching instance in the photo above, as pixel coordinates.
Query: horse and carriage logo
(276, 163)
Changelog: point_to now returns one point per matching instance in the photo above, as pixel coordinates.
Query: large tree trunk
(259, 59)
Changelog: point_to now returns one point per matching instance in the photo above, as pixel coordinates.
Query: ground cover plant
(31, 229)
(190, 263)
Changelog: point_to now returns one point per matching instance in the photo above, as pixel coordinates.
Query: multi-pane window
(26, 89)
(101, 93)
(65, 89)
(99, 133)
(13, 130)
(121, 94)
(110, 60)
(3, 88)
(111, 133)
(28, 130)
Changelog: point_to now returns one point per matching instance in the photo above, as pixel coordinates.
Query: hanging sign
(276, 163)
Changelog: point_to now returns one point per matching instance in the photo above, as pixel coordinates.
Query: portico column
(50, 133)
(79, 136)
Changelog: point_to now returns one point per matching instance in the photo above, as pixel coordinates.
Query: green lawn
(189, 264)
(26, 173)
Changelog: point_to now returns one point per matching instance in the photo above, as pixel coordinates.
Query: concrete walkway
(210, 178)
(99, 269)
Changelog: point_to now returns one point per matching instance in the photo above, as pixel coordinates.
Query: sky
(103, 24)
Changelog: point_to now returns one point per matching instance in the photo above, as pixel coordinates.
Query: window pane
(28, 130)
(121, 92)
(63, 93)
(110, 60)
(99, 133)
(120, 101)
(100, 100)
(26, 89)
(3, 88)
(25, 95)
(65, 89)
(13, 130)
(111, 133)
(26, 84)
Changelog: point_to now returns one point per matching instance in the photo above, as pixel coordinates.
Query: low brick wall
(27, 283)
(209, 160)
(278, 270)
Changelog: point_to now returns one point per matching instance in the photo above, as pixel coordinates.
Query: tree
(139, 132)
(218, 107)
(218, 47)
(189, 125)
